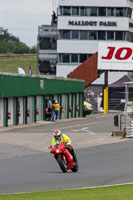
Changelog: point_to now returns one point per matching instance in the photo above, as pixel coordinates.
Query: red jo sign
(115, 56)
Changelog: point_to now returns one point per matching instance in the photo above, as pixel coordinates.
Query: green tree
(11, 44)
(33, 49)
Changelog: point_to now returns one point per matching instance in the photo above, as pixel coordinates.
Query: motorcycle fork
(64, 158)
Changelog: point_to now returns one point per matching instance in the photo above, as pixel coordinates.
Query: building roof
(121, 82)
(86, 71)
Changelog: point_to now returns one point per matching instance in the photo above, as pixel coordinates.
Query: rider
(61, 137)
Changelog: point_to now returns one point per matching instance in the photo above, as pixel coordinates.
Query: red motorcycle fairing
(60, 151)
(69, 159)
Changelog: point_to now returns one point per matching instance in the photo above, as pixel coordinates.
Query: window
(75, 11)
(44, 43)
(84, 35)
(65, 58)
(75, 34)
(59, 58)
(129, 12)
(93, 12)
(66, 11)
(124, 35)
(83, 57)
(66, 34)
(82, 11)
(101, 11)
(101, 35)
(87, 11)
(119, 35)
(74, 58)
(110, 35)
(60, 11)
(92, 35)
(120, 12)
(110, 11)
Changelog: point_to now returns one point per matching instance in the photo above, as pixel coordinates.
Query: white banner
(115, 56)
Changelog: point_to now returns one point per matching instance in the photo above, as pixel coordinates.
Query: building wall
(21, 96)
(17, 85)
(73, 46)
(118, 3)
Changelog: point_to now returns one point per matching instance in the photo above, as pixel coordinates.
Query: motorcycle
(64, 158)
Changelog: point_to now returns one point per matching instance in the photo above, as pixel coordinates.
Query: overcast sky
(22, 17)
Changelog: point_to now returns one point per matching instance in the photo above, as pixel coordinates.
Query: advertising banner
(115, 56)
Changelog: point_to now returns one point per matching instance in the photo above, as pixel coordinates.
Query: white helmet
(57, 134)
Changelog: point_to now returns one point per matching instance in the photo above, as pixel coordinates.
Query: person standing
(53, 112)
(56, 107)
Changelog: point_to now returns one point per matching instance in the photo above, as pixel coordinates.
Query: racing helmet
(57, 134)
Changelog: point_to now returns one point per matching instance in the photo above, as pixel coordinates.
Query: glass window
(83, 57)
(75, 34)
(66, 58)
(129, 12)
(110, 11)
(66, 11)
(87, 11)
(101, 11)
(44, 43)
(101, 35)
(131, 37)
(75, 11)
(120, 12)
(93, 12)
(61, 34)
(66, 34)
(119, 35)
(110, 35)
(92, 35)
(60, 11)
(84, 35)
(82, 11)
(59, 58)
(74, 58)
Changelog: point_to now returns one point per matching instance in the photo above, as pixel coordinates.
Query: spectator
(53, 111)
(56, 107)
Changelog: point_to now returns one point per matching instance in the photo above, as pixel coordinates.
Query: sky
(22, 17)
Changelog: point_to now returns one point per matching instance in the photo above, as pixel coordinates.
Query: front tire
(75, 168)
(62, 164)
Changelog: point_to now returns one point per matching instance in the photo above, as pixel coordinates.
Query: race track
(24, 169)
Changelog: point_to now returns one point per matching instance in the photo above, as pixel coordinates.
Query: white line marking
(101, 186)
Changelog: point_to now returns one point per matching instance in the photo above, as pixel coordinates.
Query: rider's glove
(69, 146)
(65, 142)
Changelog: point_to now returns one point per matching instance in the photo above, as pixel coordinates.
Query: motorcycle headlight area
(58, 151)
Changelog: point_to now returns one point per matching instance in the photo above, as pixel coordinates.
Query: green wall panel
(17, 85)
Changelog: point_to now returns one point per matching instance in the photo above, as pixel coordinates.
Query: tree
(12, 44)
(33, 49)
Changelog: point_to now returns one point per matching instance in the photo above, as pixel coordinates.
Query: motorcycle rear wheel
(62, 164)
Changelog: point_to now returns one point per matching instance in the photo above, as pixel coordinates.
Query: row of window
(95, 11)
(72, 58)
(92, 35)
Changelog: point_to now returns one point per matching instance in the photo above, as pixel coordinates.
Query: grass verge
(10, 63)
(124, 192)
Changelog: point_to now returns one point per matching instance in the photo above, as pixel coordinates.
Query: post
(126, 97)
(106, 92)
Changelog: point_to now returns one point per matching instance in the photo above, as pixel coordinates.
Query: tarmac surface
(36, 136)
(26, 165)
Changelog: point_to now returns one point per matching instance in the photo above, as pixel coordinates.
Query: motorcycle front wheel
(62, 164)
(75, 168)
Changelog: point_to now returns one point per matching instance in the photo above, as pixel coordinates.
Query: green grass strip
(124, 192)
(11, 64)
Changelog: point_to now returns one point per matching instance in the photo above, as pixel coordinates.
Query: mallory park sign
(92, 23)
